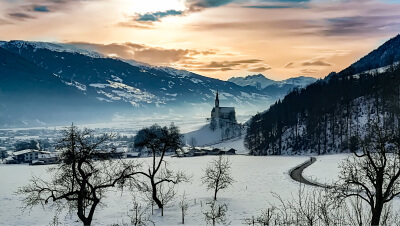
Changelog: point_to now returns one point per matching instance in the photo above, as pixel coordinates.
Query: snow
(326, 169)
(256, 178)
(204, 136)
(235, 143)
(376, 70)
(57, 47)
(301, 81)
(116, 78)
(78, 85)
(175, 72)
(104, 99)
(252, 80)
(99, 85)
(195, 80)
(261, 81)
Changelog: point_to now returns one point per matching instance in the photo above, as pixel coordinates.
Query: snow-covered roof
(28, 151)
(45, 156)
(226, 109)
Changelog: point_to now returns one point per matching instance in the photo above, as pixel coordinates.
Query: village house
(27, 155)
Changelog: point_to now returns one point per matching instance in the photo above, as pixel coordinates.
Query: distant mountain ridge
(276, 89)
(103, 86)
(261, 82)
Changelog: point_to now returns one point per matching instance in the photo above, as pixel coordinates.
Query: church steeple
(216, 100)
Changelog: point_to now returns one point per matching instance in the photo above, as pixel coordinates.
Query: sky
(215, 38)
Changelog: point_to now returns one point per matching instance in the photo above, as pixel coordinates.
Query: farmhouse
(28, 155)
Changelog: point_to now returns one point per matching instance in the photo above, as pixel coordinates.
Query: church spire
(216, 100)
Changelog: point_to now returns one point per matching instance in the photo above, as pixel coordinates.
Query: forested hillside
(329, 116)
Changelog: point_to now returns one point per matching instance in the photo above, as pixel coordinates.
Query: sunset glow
(220, 39)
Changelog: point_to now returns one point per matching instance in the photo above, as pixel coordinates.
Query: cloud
(4, 22)
(198, 5)
(134, 24)
(316, 18)
(146, 21)
(20, 16)
(178, 58)
(144, 53)
(156, 16)
(249, 61)
(289, 65)
(271, 6)
(213, 69)
(361, 25)
(41, 9)
(224, 64)
(308, 71)
(260, 69)
(253, 65)
(30, 9)
(316, 63)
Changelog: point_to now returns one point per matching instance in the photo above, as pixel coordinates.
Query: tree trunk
(154, 195)
(376, 215)
(86, 221)
(215, 194)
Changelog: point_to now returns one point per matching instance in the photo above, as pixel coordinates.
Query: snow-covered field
(256, 178)
(326, 169)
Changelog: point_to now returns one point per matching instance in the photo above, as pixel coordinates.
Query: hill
(87, 86)
(330, 115)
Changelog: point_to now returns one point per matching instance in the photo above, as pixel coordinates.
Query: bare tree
(213, 124)
(81, 181)
(193, 142)
(373, 175)
(218, 175)
(158, 141)
(140, 216)
(216, 214)
(267, 217)
(3, 154)
(166, 193)
(183, 204)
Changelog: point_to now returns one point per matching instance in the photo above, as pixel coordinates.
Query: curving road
(297, 173)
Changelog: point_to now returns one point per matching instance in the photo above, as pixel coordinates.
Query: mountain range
(261, 82)
(44, 83)
(276, 89)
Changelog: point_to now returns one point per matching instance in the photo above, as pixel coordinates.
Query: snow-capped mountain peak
(56, 47)
(261, 82)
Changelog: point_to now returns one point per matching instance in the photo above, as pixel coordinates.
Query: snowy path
(297, 173)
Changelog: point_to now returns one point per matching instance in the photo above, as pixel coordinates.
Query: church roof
(226, 109)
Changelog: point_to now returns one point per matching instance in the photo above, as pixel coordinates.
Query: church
(223, 113)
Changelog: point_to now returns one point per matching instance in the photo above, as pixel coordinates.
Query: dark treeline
(327, 116)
